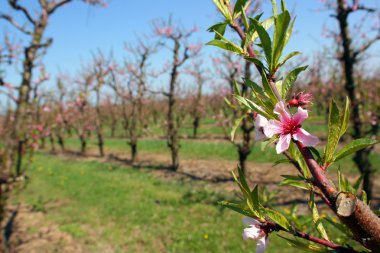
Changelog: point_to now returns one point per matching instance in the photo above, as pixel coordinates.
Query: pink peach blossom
(255, 232)
(289, 127)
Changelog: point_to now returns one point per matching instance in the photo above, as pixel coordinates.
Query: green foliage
(354, 146)
(345, 186)
(278, 217)
(226, 44)
(296, 181)
(290, 80)
(337, 126)
(223, 7)
(316, 218)
(219, 29)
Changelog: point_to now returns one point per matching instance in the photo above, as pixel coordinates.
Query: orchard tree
(197, 105)
(181, 52)
(99, 70)
(138, 69)
(278, 119)
(353, 41)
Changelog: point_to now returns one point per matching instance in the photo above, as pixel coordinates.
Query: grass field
(133, 211)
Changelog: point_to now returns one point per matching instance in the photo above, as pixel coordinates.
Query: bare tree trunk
(52, 143)
(99, 126)
(195, 126)
(172, 138)
(61, 142)
(133, 146)
(83, 145)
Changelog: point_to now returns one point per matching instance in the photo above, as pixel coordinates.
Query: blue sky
(79, 29)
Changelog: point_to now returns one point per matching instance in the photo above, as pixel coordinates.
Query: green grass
(133, 211)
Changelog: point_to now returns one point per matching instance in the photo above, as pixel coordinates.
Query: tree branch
(14, 4)
(365, 46)
(53, 6)
(15, 24)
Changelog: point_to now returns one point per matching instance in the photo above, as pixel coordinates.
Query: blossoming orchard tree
(196, 101)
(351, 49)
(138, 68)
(279, 117)
(181, 51)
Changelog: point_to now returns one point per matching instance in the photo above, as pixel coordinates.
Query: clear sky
(78, 29)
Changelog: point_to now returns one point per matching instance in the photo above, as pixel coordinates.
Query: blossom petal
(251, 233)
(261, 244)
(300, 116)
(281, 110)
(260, 121)
(272, 127)
(259, 134)
(283, 143)
(248, 221)
(306, 138)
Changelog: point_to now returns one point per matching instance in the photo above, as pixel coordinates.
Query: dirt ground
(31, 232)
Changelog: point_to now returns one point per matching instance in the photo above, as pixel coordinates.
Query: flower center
(290, 127)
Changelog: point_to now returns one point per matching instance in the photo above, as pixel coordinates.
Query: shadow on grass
(168, 169)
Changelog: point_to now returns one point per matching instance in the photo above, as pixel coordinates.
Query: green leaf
(285, 160)
(268, 23)
(286, 58)
(239, 6)
(357, 184)
(364, 197)
(289, 32)
(295, 181)
(274, 7)
(334, 128)
(255, 198)
(283, 6)
(235, 127)
(236, 207)
(265, 40)
(252, 106)
(278, 217)
(255, 61)
(244, 17)
(236, 88)
(290, 80)
(268, 89)
(220, 28)
(342, 182)
(223, 6)
(281, 24)
(316, 219)
(255, 87)
(354, 146)
(229, 104)
(226, 45)
(346, 117)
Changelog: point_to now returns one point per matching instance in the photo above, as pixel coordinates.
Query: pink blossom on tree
(288, 127)
(255, 232)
